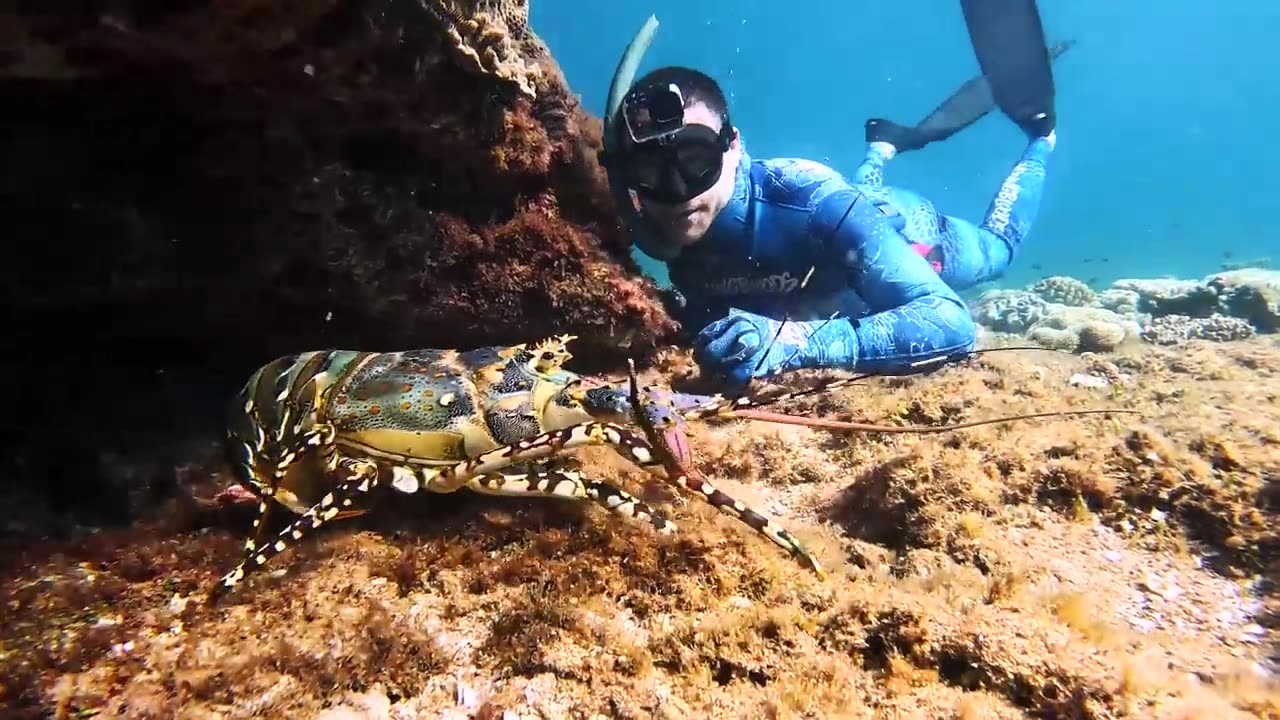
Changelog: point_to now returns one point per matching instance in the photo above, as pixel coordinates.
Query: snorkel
(642, 234)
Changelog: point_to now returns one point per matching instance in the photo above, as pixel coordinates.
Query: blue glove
(735, 345)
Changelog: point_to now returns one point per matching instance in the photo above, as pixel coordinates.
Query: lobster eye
(548, 356)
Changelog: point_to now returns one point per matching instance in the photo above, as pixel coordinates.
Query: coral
(1100, 336)
(1060, 326)
(494, 37)
(1177, 329)
(1121, 302)
(1064, 290)
(1090, 329)
(1008, 310)
(1054, 338)
(1164, 296)
(1251, 293)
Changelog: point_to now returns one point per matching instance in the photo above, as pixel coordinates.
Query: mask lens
(680, 166)
(644, 168)
(697, 160)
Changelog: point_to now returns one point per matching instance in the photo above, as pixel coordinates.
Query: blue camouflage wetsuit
(799, 241)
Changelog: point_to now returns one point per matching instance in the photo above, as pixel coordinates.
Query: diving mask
(668, 161)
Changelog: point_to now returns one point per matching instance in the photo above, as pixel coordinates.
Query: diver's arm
(916, 316)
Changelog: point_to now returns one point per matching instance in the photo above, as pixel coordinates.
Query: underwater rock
(1012, 311)
(192, 189)
(1064, 290)
(1167, 296)
(1251, 294)
(1178, 329)
(232, 182)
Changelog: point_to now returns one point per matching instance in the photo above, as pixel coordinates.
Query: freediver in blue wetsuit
(786, 264)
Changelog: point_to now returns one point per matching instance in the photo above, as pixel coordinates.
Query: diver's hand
(900, 137)
(734, 346)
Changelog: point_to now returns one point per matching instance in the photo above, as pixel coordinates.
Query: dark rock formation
(199, 187)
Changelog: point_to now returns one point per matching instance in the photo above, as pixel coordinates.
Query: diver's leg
(871, 171)
(972, 254)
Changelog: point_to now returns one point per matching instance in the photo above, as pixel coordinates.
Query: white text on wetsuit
(781, 284)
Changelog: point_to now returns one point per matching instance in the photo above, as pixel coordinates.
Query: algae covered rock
(193, 189)
(232, 182)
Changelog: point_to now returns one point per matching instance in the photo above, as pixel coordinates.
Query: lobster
(316, 432)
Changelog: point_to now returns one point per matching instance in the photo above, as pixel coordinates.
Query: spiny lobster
(440, 420)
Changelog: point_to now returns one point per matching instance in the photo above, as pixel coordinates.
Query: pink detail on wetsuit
(925, 251)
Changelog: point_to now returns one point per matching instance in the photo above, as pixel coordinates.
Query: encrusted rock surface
(240, 180)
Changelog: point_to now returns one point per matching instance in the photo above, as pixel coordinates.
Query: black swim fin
(1008, 40)
(967, 105)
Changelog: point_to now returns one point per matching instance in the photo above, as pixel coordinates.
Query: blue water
(1168, 112)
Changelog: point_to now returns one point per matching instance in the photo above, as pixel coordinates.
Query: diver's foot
(902, 138)
(1039, 125)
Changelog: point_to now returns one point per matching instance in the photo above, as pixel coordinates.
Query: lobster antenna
(746, 407)
(786, 318)
(826, 424)
(941, 361)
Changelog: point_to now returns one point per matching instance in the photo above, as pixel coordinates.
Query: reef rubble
(1064, 313)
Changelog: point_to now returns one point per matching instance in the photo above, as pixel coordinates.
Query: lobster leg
(635, 449)
(570, 485)
(252, 542)
(340, 501)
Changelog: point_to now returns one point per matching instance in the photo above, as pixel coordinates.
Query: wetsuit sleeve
(915, 316)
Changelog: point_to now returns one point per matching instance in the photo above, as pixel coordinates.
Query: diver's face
(686, 222)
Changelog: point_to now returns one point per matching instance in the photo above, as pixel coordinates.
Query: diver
(784, 263)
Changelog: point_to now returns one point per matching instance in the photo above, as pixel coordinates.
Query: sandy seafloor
(1086, 566)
